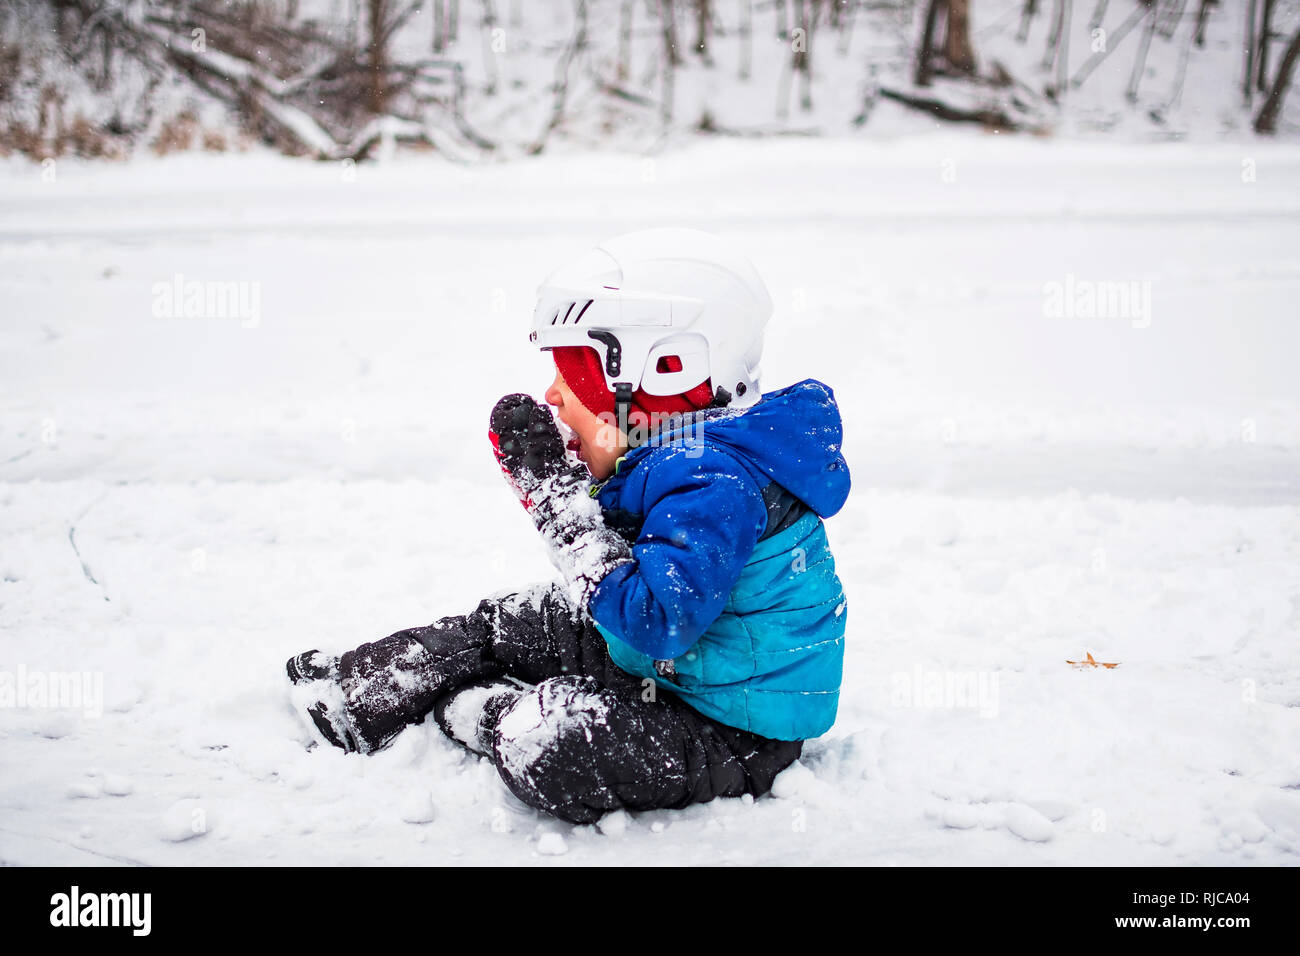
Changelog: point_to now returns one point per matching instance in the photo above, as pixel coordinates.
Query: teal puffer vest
(772, 661)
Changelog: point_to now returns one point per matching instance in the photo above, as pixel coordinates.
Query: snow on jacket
(733, 581)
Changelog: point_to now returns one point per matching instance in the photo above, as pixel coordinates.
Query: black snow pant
(585, 739)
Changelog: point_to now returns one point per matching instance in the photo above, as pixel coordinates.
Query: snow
(551, 844)
(614, 824)
(187, 502)
(117, 785)
(183, 820)
(1027, 823)
(417, 807)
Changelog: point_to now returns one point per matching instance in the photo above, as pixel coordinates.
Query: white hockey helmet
(645, 296)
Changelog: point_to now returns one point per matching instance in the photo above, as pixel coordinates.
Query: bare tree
(1252, 50)
(1027, 14)
(489, 24)
(746, 37)
(625, 13)
(671, 57)
(1265, 36)
(302, 86)
(668, 22)
(446, 23)
(1144, 47)
(798, 64)
(1098, 15)
(925, 53)
(1112, 44)
(954, 55)
(703, 15)
(560, 87)
(957, 46)
(1063, 50)
(843, 22)
(1203, 15)
(378, 57)
(1180, 78)
(1055, 35)
(1266, 121)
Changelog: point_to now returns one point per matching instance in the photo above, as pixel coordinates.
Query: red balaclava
(582, 372)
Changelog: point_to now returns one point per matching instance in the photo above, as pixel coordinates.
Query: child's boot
(359, 702)
(317, 694)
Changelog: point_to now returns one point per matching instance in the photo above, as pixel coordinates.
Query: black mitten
(529, 448)
(556, 494)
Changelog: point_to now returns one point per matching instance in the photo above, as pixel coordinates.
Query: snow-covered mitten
(556, 494)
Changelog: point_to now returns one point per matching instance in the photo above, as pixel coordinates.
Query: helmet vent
(569, 311)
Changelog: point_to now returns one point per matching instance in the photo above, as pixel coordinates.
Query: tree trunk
(803, 57)
(1112, 44)
(1027, 15)
(957, 46)
(1063, 52)
(439, 26)
(1140, 61)
(1266, 122)
(844, 23)
(1202, 15)
(1251, 46)
(956, 54)
(1265, 35)
(625, 15)
(1053, 47)
(378, 92)
(1098, 15)
(926, 52)
(489, 54)
(746, 37)
(668, 16)
(702, 29)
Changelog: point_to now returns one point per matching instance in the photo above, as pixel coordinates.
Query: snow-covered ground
(187, 501)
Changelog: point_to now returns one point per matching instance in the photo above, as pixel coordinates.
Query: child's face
(599, 443)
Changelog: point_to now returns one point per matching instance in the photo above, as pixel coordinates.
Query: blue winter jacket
(733, 581)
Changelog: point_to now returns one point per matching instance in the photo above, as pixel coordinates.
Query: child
(697, 637)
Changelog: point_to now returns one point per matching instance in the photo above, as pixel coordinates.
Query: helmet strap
(623, 405)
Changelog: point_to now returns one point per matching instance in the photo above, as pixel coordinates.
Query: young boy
(697, 637)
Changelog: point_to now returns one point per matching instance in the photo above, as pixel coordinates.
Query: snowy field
(187, 500)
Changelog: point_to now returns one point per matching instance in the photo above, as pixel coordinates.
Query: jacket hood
(793, 436)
